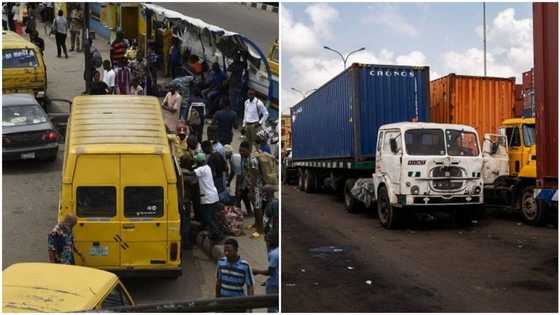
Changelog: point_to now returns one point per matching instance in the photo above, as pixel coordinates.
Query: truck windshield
(461, 143)
(424, 142)
(529, 135)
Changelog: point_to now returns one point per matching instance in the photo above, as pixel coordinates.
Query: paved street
(31, 193)
(338, 262)
(260, 26)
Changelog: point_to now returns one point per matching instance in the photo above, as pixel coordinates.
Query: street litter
(369, 282)
(290, 284)
(350, 268)
(302, 270)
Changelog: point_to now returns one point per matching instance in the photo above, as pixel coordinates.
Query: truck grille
(447, 184)
(25, 139)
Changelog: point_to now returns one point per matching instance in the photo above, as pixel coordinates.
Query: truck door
(391, 158)
(144, 211)
(513, 135)
(495, 158)
(96, 195)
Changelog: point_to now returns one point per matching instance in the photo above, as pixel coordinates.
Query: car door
(391, 161)
(96, 195)
(515, 149)
(495, 158)
(144, 211)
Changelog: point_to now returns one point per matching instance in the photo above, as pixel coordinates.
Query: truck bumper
(439, 200)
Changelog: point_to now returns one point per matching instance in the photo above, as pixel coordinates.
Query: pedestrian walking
(61, 242)
(98, 87)
(138, 70)
(152, 64)
(60, 28)
(225, 120)
(234, 274)
(122, 78)
(76, 23)
(172, 101)
(235, 83)
(208, 197)
(109, 76)
(254, 117)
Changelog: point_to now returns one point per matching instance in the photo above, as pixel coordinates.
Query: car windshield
(461, 143)
(22, 115)
(424, 142)
(529, 135)
(18, 58)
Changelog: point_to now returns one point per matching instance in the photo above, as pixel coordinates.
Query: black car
(27, 132)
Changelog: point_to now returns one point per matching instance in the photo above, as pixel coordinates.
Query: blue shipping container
(340, 120)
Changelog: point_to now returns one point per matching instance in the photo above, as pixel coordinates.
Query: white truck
(422, 165)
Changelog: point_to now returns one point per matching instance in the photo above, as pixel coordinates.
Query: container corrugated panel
(480, 102)
(518, 101)
(545, 37)
(389, 94)
(340, 120)
(528, 79)
(322, 124)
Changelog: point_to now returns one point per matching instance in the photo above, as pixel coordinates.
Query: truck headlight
(477, 190)
(40, 94)
(415, 190)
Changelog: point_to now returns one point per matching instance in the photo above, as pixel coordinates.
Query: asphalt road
(333, 261)
(258, 25)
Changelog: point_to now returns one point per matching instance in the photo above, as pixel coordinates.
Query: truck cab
(426, 164)
(520, 133)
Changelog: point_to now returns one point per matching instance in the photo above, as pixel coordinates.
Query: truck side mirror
(393, 144)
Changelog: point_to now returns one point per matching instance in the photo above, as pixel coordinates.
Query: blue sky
(445, 36)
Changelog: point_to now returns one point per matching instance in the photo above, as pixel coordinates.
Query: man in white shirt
(208, 197)
(254, 116)
(109, 76)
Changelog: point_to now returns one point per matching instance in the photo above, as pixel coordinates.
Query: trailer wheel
(351, 204)
(530, 210)
(309, 182)
(389, 216)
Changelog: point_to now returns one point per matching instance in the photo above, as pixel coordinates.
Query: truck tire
(389, 216)
(300, 179)
(532, 213)
(309, 182)
(350, 204)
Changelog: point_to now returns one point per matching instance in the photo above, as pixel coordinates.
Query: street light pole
(484, 32)
(303, 94)
(344, 59)
(86, 46)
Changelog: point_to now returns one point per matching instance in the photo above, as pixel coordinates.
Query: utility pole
(484, 33)
(86, 45)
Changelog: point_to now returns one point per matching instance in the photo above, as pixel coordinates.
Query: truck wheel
(351, 204)
(308, 182)
(300, 179)
(530, 210)
(389, 217)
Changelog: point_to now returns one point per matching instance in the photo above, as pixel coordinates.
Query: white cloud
(390, 17)
(509, 49)
(322, 15)
(415, 58)
(299, 38)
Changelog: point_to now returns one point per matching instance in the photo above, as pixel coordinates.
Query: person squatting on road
(60, 28)
(61, 242)
(254, 117)
(233, 273)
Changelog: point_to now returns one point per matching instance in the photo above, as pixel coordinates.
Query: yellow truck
(513, 185)
(121, 180)
(58, 288)
(23, 67)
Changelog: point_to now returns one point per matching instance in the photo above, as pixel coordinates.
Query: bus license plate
(99, 251)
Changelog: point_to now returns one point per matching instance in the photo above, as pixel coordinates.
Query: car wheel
(389, 216)
(530, 210)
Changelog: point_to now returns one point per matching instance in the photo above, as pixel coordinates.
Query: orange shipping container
(480, 102)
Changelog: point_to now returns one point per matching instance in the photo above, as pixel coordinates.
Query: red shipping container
(518, 101)
(545, 37)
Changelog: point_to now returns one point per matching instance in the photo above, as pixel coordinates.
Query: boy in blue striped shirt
(234, 273)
